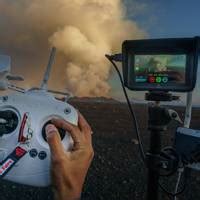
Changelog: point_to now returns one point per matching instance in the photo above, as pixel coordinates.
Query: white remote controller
(24, 152)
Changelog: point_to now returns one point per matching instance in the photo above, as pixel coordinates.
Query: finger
(84, 126)
(82, 123)
(70, 128)
(54, 140)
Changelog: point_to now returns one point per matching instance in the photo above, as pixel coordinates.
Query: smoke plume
(82, 30)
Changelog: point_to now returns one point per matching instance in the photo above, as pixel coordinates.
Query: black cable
(170, 155)
(118, 58)
(170, 193)
(130, 108)
(177, 193)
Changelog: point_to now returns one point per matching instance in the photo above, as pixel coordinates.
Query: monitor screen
(158, 69)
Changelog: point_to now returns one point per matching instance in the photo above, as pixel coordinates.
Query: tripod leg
(153, 173)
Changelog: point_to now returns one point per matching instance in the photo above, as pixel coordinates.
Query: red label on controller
(6, 165)
(21, 137)
(19, 152)
(11, 160)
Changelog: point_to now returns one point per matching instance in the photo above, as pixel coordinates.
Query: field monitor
(161, 64)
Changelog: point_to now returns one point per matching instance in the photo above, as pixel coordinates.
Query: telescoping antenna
(44, 84)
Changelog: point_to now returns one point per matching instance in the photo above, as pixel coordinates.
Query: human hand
(69, 169)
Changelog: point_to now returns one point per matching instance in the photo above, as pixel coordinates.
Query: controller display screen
(160, 69)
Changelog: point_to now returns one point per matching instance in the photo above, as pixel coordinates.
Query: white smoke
(83, 30)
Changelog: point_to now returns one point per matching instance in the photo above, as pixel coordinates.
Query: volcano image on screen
(160, 69)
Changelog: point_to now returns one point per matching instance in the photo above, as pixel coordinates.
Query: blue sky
(167, 18)
(160, 19)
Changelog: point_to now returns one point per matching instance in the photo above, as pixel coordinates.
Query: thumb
(54, 140)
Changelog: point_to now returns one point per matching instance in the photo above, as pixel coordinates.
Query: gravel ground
(117, 172)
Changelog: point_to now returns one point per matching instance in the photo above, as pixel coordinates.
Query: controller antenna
(48, 70)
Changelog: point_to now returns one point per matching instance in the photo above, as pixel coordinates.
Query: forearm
(59, 196)
(66, 189)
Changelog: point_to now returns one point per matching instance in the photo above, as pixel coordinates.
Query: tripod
(159, 118)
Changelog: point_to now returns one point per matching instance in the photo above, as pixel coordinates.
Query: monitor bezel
(172, 46)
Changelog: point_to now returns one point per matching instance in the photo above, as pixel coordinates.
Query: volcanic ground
(117, 171)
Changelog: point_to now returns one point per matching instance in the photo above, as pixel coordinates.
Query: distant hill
(94, 99)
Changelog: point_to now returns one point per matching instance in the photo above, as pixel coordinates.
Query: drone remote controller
(24, 151)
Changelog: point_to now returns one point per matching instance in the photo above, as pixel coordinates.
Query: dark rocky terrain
(117, 172)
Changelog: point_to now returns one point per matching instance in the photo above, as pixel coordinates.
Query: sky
(171, 18)
(29, 28)
(163, 19)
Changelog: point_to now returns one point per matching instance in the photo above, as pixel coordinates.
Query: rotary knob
(60, 130)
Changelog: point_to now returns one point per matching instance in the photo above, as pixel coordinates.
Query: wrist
(67, 198)
(67, 195)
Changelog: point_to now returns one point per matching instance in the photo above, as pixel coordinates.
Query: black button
(42, 155)
(33, 153)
